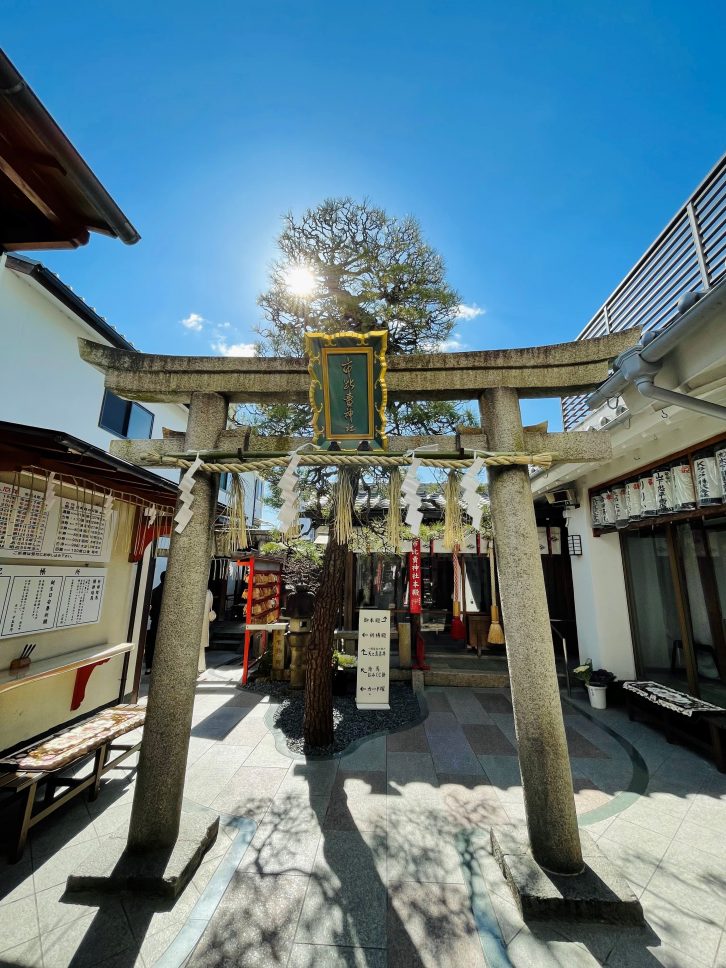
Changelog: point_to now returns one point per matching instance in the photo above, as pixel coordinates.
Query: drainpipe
(639, 366)
(641, 374)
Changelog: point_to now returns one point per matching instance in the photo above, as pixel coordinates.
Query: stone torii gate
(497, 380)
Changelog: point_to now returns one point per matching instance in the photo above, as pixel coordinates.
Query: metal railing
(564, 649)
(689, 254)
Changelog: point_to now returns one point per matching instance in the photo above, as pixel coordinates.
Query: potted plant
(596, 681)
(344, 671)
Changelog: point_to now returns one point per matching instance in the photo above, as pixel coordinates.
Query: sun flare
(300, 280)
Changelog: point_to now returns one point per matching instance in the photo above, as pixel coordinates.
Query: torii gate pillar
(162, 764)
(543, 759)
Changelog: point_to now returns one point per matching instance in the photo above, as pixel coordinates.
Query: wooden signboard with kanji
(348, 389)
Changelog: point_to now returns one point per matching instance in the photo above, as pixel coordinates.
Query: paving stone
(345, 902)
(692, 879)
(275, 851)
(65, 827)
(421, 846)
(708, 812)
(254, 923)
(494, 702)
(216, 724)
(707, 839)
(266, 754)
(54, 869)
(249, 792)
(336, 956)
(413, 775)
(16, 880)
(440, 722)
(503, 772)
(465, 706)
(19, 920)
(588, 796)
(408, 741)
(293, 813)
(370, 755)
(148, 915)
(96, 936)
(247, 733)
(579, 745)
(488, 740)
(697, 937)
(432, 927)
(213, 770)
(528, 950)
(471, 799)
(451, 751)
(646, 814)
(312, 779)
(357, 802)
(26, 955)
(438, 702)
(643, 843)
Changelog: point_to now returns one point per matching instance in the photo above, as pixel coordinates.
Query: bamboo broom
(496, 632)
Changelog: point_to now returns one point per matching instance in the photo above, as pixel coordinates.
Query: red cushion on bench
(82, 739)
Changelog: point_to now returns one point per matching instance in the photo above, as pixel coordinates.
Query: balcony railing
(689, 254)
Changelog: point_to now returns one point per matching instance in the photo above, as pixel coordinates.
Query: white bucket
(598, 696)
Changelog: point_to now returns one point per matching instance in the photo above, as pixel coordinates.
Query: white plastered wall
(43, 380)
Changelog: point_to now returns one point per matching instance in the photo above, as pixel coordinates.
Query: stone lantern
(299, 610)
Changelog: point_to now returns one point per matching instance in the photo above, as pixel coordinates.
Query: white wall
(43, 380)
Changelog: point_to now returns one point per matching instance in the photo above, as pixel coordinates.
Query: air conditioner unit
(566, 497)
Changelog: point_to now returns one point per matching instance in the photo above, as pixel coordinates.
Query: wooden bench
(21, 779)
(681, 716)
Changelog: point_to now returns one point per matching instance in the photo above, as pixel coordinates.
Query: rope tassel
(393, 520)
(453, 520)
(343, 508)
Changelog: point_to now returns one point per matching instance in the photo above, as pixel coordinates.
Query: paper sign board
(374, 652)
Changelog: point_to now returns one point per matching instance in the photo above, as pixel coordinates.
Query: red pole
(250, 564)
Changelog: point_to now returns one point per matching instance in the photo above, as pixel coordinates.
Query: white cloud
(193, 321)
(453, 344)
(224, 348)
(469, 312)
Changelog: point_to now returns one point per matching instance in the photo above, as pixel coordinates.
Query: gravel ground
(349, 723)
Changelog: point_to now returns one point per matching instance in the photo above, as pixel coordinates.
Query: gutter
(639, 366)
(18, 93)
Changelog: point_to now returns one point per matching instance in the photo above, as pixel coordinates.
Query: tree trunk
(318, 722)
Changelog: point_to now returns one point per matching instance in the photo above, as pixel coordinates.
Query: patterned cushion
(677, 702)
(79, 740)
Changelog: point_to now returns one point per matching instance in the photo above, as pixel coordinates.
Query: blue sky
(542, 145)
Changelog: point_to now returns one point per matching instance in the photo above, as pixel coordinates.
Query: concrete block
(163, 872)
(599, 893)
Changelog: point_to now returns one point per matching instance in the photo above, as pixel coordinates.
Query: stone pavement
(381, 857)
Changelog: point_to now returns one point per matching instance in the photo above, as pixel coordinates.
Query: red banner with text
(414, 573)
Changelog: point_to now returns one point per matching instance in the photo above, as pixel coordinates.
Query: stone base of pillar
(599, 893)
(165, 873)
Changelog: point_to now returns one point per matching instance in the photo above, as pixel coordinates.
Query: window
(224, 481)
(124, 418)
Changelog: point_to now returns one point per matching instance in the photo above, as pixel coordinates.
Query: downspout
(641, 374)
(639, 366)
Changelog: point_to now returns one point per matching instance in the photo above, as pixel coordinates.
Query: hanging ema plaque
(348, 389)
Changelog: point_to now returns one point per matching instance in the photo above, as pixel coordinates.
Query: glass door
(653, 613)
(676, 577)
